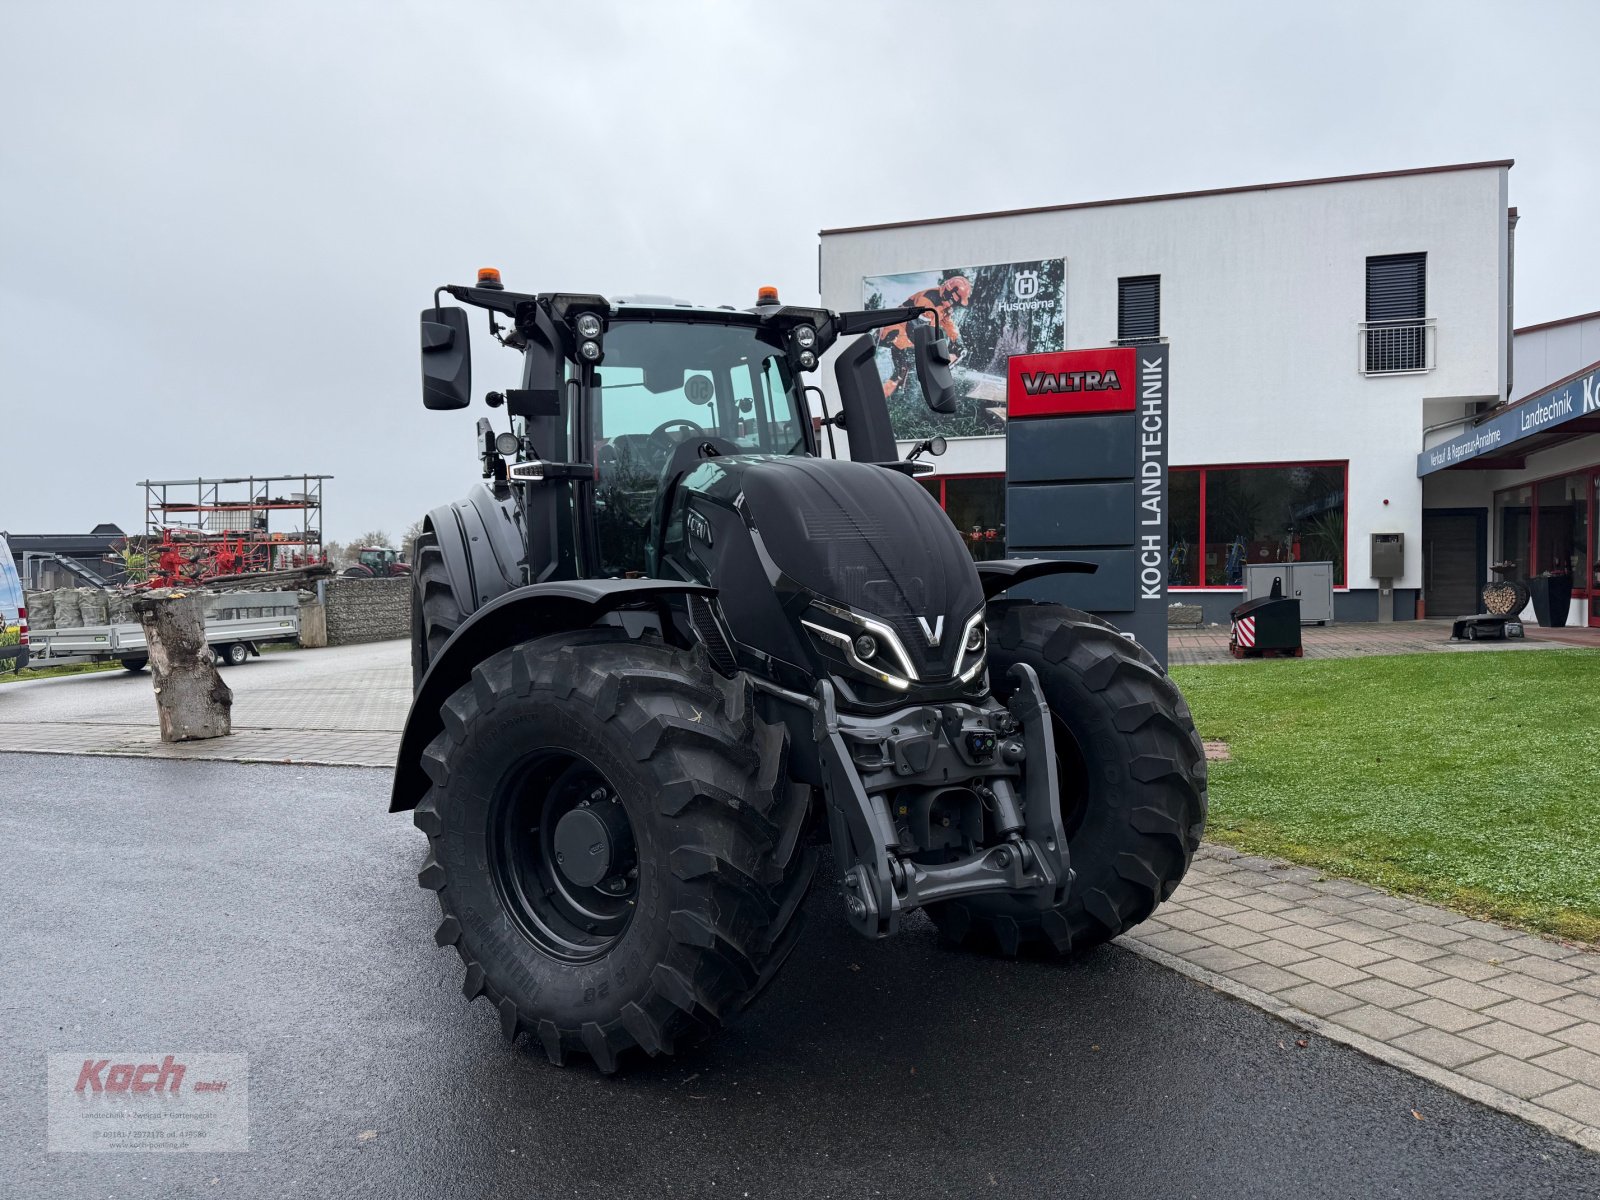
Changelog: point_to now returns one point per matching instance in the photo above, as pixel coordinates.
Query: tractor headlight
(975, 637)
(588, 326)
(805, 337)
(589, 351)
(866, 646)
(808, 361)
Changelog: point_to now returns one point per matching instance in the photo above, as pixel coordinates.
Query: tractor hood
(871, 540)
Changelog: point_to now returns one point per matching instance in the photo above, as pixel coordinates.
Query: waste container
(1266, 628)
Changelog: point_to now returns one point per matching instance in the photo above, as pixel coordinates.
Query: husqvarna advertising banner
(1086, 478)
(988, 313)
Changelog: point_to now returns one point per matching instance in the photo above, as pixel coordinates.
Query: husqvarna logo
(1025, 285)
(932, 631)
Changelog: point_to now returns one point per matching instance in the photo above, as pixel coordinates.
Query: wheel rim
(1072, 779)
(552, 803)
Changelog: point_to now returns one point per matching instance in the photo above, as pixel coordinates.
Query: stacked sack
(92, 606)
(68, 613)
(41, 609)
(120, 608)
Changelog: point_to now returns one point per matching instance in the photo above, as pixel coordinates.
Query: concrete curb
(1565, 1127)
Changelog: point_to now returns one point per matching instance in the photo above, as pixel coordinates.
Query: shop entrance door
(1452, 560)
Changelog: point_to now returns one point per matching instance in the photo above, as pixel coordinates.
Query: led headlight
(589, 351)
(588, 326)
(805, 337)
(974, 640)
(507, 444)
(866, 646)
(808, 361)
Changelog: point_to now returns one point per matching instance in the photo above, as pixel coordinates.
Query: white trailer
(237, 624)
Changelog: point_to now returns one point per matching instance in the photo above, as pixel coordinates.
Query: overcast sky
(219, 221)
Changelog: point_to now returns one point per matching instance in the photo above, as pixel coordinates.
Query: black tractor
(666, 651)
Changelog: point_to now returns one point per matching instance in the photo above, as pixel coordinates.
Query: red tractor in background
(377, 562)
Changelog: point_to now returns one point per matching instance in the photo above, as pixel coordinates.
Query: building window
(1221, 519)
(976, 506)
(1550, 527)
(1397, 336)
(1138, 310)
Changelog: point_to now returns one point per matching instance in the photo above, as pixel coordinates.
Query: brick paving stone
(1311, 918)
(1218, 958)
(1579, 1101)
(1586, 1007)
(1335, 904)
(1173, 941)
(1356, 931)
(1585, 1036)
(1265, 977)
(1383, 993)
(1461, 967)
(1557, 972)
(1351, 954)
(1186, 919)
(1589, 984)
(1262, 902)
(1446, 1049)
(1483, 950)
(1290, 891)
(1325, 970)
(1408, 974)
(1574, 1064)
(1226, 889)
(1215, 906)
(1428, 933)
(1525, 943)
(1441, 1014)
(1389, 904)
(1317, 999)
(1348, 889)
(1379, 918)
(1514, 983)
(1531, 1016)
(1399, 947)
(1486, 930)
(1509, 1039)
(1376, 1022)
(1299, 935)
(1279, 954)
(1467, 995)
(1513, 1075)
(1431, 914)
(1232, 936)
(1259, 921)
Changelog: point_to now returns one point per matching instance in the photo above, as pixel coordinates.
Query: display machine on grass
(666, 649)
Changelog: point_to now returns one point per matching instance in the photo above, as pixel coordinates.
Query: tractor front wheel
(614, 843)
(1132, 782)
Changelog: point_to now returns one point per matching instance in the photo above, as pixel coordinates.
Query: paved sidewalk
(342, 706)
(1499, 1015)
(1209, 643)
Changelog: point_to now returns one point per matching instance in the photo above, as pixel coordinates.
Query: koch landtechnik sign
(1571, 400)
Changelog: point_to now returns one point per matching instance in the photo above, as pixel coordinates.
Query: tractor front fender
(526, 612)
(999, 574)
(481, 539)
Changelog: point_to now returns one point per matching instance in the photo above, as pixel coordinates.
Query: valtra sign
(1070, 382)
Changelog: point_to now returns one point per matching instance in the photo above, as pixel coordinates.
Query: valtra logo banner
(1071, 382)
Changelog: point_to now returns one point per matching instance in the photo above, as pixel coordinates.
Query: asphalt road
(272, 911)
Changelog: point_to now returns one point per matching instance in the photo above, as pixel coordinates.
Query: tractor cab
(378, 559)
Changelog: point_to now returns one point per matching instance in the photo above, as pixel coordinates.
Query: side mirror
(446, 359)
(933, 369)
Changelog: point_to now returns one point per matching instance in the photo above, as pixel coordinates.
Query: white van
(13, 616)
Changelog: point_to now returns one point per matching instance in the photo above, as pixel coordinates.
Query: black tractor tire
(715, 825)
(134, 665)
(1132, 775)
(435, 611)
(358, 571)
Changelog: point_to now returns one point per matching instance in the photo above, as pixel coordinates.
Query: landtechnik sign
(1086, 478)
(1567, 402)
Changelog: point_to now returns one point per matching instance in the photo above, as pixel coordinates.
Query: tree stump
(191, 698)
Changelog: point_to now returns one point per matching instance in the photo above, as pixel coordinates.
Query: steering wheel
(691, 430)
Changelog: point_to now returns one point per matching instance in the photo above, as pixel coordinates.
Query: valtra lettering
(1036, 383)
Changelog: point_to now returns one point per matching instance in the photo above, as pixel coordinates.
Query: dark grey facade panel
(1075, 448)
(1063, 516)
(1109, 591)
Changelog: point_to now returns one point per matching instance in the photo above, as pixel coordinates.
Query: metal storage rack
(246, 523)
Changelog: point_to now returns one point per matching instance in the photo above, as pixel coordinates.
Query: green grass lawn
(7, 675)
(1470, 779)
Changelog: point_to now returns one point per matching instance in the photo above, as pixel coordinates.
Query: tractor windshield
(665, 382)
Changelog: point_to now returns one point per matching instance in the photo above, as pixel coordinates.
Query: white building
(1298, 415)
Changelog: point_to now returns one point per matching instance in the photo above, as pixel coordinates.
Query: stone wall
(366, 610)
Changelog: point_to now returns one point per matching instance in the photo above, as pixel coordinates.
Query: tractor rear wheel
(435, 611)
(614, 842)
(1132, 776)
